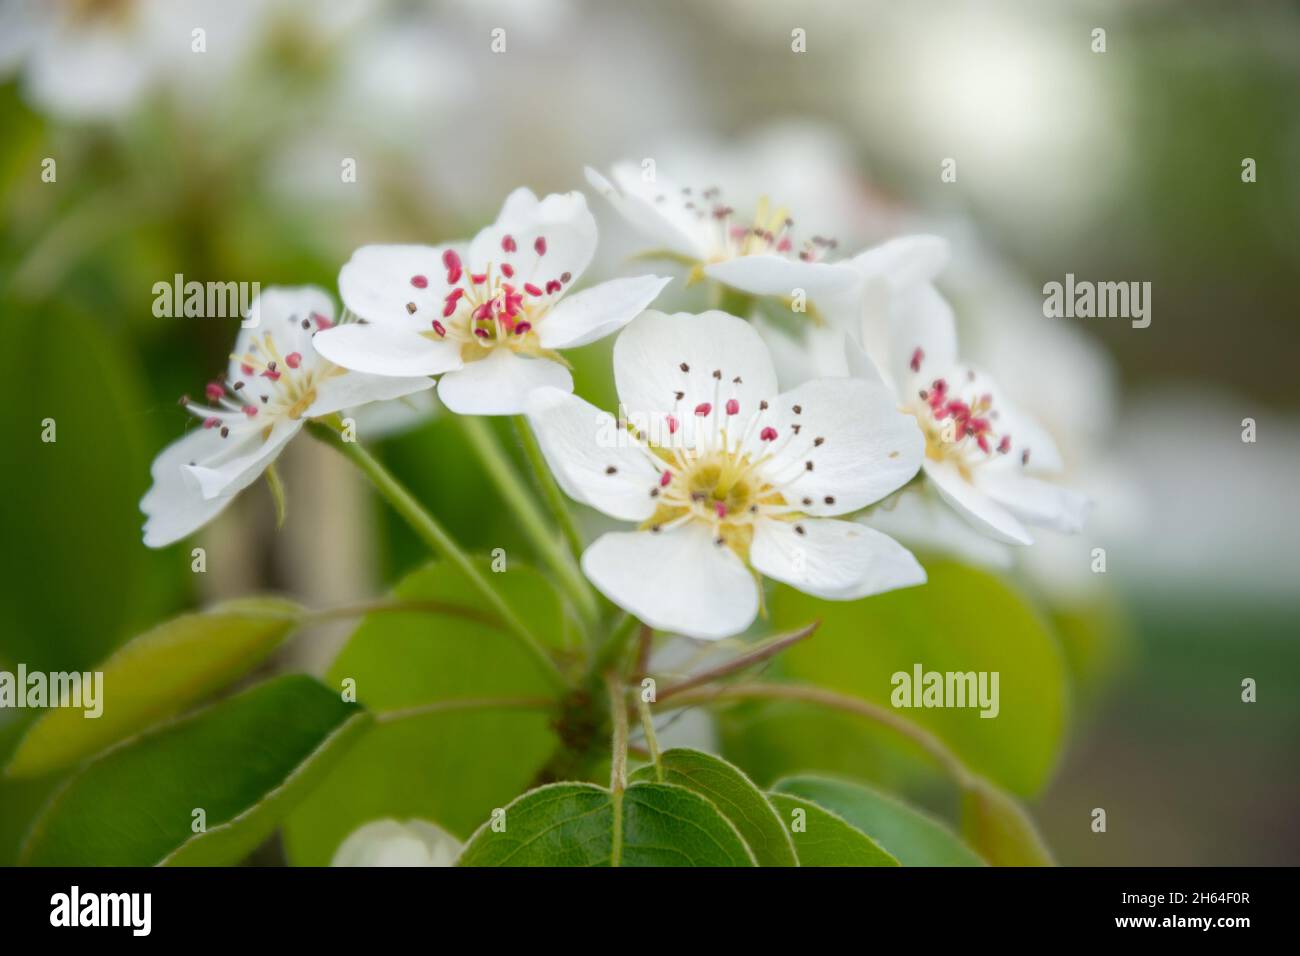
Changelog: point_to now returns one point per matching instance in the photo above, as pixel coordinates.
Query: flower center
(769, 231)
(494, 307)
(271, 385)
(958, 429)
(736, 470)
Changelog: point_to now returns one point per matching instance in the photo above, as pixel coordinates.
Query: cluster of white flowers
(728, 474)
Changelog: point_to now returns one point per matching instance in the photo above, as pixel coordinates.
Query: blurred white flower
(727, 478)
(982, 454)
(491, 314)
(275, 382)
(809, 164)
(96, 60)
(391, 842)
(754, 252)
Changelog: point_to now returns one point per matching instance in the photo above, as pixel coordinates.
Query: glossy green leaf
(998, 827)
(453, 766)
(572, 824)
(156, 675)
(823, 839)
(914, 837)
(734, 795)
(962, 620)
(243, 762)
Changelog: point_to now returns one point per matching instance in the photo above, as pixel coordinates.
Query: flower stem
(434, 535)
(539, 532)
(618, 760)
(554, 496)
(609, 653)
(651, 741)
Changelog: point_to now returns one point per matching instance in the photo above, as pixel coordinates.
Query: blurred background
(1124, 165)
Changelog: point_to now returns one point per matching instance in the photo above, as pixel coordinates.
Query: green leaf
(999, 828)
(778, 738)
(915, 838)
(735, 797)
(572, 824)
(823, 839)
(243, 762)
(20, 800)
(156, 675)
(456, 766)
(82, 578)
(962, 620)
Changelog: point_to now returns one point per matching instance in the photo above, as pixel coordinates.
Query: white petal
(521, 203)
(599, 311)
(920, 519)
(1027, 435)
(859, 363)
(678, 581)
(904, 261)
(384, 419)
(795, 358)
(867, 447)
(648, 359)
(779, 276)
(920, 319)
(378, 349)
(974, 505)
(174, 506)
(561, 220)
(581, 443)
(393, 843)
(1036, 502)
(376, 284)
(355, 389)
(500, 384)
(278, 312)
(839, 560)
(235, 467)
(655, 210)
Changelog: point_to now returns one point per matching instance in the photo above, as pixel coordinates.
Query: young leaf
(734, 795)
(453, 766)
(237, 767)
(999, 828)
(963, 620)
(915, 838)
(572, 824)
(154, 676)
(823, 839)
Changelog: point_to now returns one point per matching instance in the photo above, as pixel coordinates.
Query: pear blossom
(391, 842)
(275, 382)
(488, 316)
(757, 254)
(727, 478)
(983, 455)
